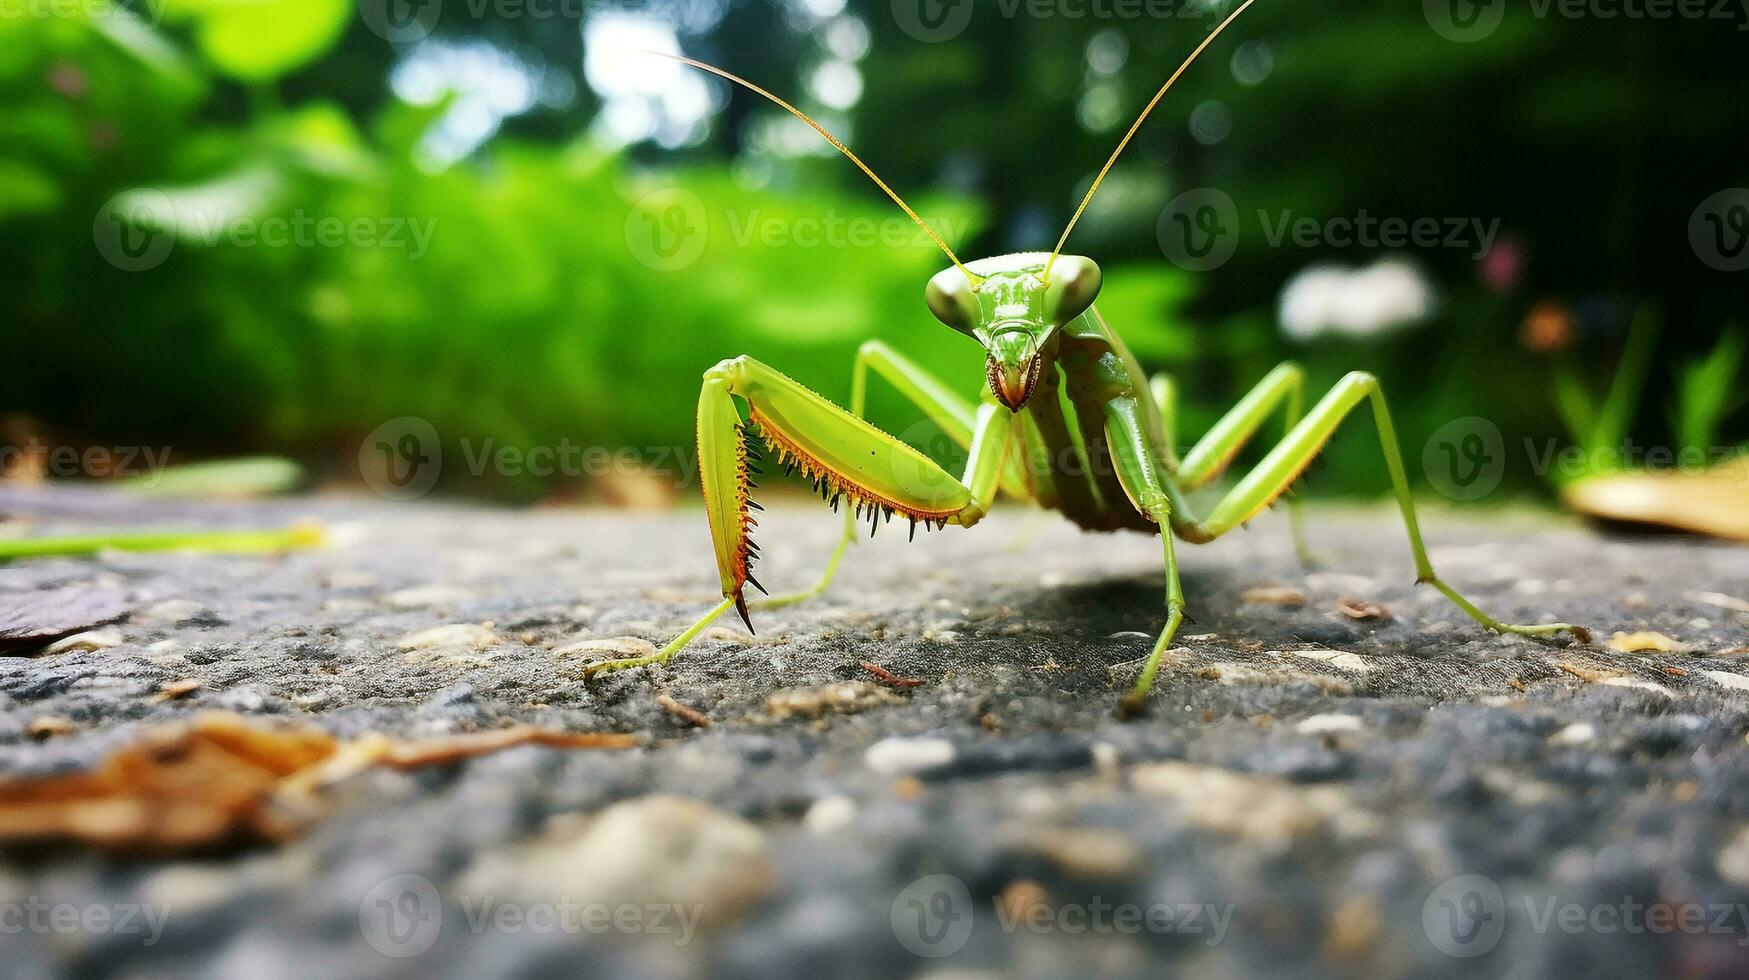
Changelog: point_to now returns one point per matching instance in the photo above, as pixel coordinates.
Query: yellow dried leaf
(1273, 595)
(1714, 502)
(1643, 642)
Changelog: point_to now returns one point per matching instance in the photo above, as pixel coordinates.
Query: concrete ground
(1308, 794)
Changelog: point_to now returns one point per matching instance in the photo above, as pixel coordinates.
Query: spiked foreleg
(851, 462)
(956, 416)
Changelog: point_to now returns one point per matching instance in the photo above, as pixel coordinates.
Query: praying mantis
(1066, 420)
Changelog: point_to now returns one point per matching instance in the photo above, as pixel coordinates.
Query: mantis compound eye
(950, 298)
(1075, 281)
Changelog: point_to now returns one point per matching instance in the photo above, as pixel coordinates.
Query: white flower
(1354, 302)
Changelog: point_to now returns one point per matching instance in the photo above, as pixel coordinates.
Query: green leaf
(25, 189)
(260, 40)
(1707, 392)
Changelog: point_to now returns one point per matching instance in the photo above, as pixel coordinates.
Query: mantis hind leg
(1261, 487)
(1283, 388)
(1284, 463)
(844, 455)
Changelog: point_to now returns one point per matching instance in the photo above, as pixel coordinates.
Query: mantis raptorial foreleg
(845, 456)
(1277, 472)
(1284, 388)
(955, 415)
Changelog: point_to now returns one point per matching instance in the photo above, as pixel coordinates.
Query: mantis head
(1015, 313)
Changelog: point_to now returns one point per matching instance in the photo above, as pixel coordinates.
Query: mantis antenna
(1133, 127)
(804, 117)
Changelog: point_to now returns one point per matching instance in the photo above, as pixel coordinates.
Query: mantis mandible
(1110, 465)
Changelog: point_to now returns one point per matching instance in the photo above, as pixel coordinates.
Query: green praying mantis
(1110, 464)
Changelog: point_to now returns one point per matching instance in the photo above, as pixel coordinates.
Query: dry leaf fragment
(48, 726)
(1362, 609)
(473, 636)
(1642, 642)
(89, 641)
(887, 677)
(1590, 675)
(36, 619)
(841, 698)
(613, 648)
(1714, 502)
(177, 689)
(1273, 595)
(454, 748)
(692, 716)
(220, 779)
(1721, 600)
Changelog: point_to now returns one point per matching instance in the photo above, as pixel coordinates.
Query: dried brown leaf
(36, 619)
(1361, 609)
(1714, 502)
(692, 716)
(887, 677)
(177, 689)
(1273, 595)
(221, 779)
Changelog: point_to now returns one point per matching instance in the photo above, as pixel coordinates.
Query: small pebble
(829, 815)
(901, 756)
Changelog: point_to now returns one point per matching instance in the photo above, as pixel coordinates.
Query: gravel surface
(1308, 794)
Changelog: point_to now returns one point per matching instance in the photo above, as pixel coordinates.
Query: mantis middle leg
(1283, 388)
(849, 457)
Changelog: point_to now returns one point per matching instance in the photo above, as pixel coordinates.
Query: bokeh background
(245, 226)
